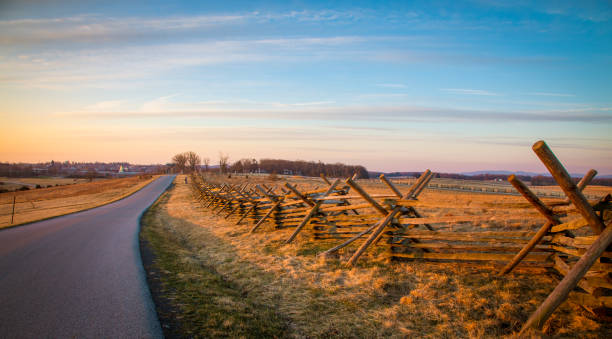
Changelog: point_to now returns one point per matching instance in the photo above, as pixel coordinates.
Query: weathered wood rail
(574, 243)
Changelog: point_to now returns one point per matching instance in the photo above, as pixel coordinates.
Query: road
(79, 275)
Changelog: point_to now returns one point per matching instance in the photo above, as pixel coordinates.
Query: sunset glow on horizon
(394, 87)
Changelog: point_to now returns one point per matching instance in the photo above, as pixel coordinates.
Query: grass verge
(192, 298)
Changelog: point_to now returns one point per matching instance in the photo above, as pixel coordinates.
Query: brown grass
(38, 204)
(12, 183)
(318, 297)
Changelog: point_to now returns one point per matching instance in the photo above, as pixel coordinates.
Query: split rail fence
(574, 242)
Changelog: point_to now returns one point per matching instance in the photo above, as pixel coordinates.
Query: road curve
(79, 275)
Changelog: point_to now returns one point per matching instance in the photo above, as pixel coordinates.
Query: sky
(453, 86)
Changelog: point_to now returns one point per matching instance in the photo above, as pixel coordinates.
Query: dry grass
(208, 304)
(14, 183)
(317, 297)
(38, 204)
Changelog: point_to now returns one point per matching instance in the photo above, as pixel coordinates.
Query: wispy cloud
(469, 91)
(103, 30)
(109, 105)
(591, 144)
(550, 94)
(85, 28)
(54, 68)
(313, 103)
(121, 49)
(324, 111)
(157, 105)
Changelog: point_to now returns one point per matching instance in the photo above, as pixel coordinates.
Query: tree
(223, 162)
(180, 160)
(206, 162)
(244, 166)
(193, 160)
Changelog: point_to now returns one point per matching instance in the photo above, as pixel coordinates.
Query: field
(212, 276)
(71, 196)
(12, 184)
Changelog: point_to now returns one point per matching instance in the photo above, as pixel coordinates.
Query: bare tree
(193, 160)
(206, 162)
(180, 160)
(223, 162)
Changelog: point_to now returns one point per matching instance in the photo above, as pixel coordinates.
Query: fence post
(571, 279)
(13, 214)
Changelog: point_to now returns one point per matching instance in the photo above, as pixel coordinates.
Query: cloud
(469, 91)
(39, 53)
(323, 111)
(578, 143)
(93, 67)
(110, 105)
(594, 11)
(157, 105)
(549, 94)
(312, 103)
(87, 28)
(102, 30)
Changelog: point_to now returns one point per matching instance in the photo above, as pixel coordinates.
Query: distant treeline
(538, 180)
(298, 167)
(72, 169)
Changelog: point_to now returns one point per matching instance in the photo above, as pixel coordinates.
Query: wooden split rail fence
(574, 242)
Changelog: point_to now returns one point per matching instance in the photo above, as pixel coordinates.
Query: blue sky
(452, 86)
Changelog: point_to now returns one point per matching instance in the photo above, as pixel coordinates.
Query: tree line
(190, 161)
(298, 167)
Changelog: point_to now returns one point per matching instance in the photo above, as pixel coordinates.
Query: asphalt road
(80, 275)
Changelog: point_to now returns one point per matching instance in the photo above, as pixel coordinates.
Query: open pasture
(12, 184)
(69, 197)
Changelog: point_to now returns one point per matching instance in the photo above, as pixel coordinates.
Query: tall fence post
(13, 214)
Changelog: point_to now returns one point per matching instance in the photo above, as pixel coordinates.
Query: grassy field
(218, 280)
(437, 182)
(42, 203)
(12, 184)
